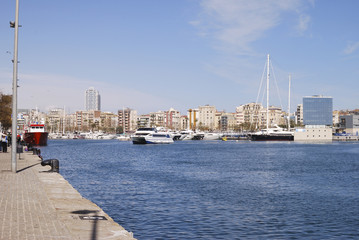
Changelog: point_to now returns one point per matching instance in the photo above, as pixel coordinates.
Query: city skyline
(180, 54)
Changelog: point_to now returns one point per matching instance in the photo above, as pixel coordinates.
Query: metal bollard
(53, 163)
(19, 149)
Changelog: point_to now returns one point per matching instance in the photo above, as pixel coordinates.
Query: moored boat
(272, 134)
(140, 134)
(212, 136)
(36, 135)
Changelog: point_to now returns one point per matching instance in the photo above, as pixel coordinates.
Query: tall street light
(14, 91)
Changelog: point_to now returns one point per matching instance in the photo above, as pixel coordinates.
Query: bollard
(34, 151)
(19, 149)
(53, 163)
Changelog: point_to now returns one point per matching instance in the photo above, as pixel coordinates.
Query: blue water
(218, 190)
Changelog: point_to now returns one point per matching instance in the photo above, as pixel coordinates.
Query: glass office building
(318, 110)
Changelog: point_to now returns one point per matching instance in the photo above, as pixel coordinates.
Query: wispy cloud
(303, 23)
(235, 24)
(351, 48)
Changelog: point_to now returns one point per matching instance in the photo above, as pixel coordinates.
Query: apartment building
(172, 119)
(127, 119)
(207, 117)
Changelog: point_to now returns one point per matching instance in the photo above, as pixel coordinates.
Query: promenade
(35, 204)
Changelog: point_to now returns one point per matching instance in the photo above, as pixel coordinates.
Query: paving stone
(39, 205)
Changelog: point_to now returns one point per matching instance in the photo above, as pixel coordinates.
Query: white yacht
(186, 135)
(212, 136)
(140, 134)
(191, 135)
(124, 138)
(159, 138)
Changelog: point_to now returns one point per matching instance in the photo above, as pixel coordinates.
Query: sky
(160, 54)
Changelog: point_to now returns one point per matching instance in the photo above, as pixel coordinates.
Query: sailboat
(271, 134)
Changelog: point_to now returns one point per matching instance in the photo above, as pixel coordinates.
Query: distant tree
(202, 127)
(110, 130)
(5, 111)
(119, 130)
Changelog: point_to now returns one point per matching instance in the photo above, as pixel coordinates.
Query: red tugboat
(36, 135)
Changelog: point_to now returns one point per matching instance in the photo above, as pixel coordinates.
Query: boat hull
(265, 137)
(153, 140)
(36, 138)
(138, 140)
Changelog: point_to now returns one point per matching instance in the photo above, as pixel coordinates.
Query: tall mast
(267, 93)
(290, 76)
(63, 123)
(123, 120)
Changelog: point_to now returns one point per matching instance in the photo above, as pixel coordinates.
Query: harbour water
(218, 190)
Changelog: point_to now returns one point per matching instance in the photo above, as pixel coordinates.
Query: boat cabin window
(159, 135)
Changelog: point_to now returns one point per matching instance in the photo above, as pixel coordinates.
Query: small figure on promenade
(9, 139)
(18, 139)
(4, 143)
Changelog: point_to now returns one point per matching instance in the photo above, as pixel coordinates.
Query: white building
(207, 117)
(56, 120)
(143, 121)
(92, 100)
(250, 113)
(157, 119)
(228, 122)
(184, 123)
(173, 119)
(313, 133)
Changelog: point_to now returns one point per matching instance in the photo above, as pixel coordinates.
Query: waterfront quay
(37, 204)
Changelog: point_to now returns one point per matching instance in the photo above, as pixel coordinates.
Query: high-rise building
(92, 100)
(318, 110)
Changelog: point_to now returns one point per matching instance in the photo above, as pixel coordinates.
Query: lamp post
(14, 25)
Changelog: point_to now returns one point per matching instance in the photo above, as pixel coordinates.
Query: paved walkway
(35, 204)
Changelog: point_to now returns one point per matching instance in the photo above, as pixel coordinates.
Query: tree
(5, 111)
(119, 130)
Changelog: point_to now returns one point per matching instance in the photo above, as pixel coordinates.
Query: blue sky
(153, 55)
